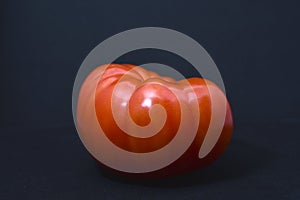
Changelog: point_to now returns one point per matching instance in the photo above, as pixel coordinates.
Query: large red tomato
(136, 122)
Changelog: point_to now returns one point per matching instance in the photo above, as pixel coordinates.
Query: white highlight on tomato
(147, 103)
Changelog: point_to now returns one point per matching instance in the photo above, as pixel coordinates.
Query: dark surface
(261, 162)
(255, 44)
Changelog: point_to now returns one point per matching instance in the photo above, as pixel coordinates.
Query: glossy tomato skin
(139, 90)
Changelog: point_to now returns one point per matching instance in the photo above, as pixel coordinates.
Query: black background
(255, 44)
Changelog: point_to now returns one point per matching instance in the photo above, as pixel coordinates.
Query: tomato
(136, 122)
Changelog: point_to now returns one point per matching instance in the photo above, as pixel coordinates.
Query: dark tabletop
(261, 162)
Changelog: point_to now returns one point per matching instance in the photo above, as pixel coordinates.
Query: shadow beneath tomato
(240, 159)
